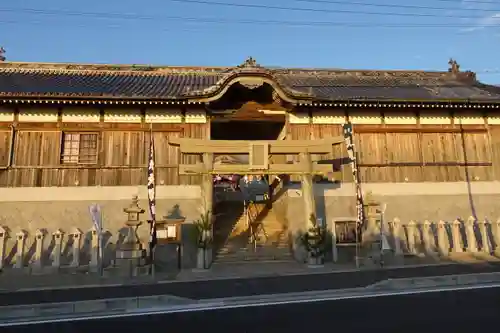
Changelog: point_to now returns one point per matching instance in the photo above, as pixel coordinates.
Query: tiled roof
(177, 83)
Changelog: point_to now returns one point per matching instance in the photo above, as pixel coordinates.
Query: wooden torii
(258, 162)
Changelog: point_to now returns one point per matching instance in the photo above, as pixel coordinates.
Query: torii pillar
(307, 188)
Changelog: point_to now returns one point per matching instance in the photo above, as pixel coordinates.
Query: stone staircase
(272, 237)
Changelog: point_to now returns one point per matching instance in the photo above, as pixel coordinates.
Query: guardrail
(10, 315)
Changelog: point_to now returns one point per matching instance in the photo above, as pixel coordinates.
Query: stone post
(58, 236)
(442, 237)
(428, 244)
(372, 230)
(335, 254)
(40, 240)
(77, 239)
(396, 236)
(21, 242)
(410, 227)
(3, 242)
(471, 236)
(485, 239)
(94, 248)
(495, 230)
(456, 236)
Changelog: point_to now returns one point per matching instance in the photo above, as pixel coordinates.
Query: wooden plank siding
(388, 153)
(5, 143)
(122, 156)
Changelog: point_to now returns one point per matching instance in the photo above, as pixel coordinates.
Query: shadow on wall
(74, 248)
(467, 175)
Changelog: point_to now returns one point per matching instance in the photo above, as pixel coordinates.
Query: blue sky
(165, 32)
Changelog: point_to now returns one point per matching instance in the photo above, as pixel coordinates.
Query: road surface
(242, 287)
(447, 311)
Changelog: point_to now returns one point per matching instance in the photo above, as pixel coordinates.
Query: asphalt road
(242, 287)
(450, 311)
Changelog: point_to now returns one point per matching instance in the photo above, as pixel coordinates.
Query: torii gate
(258, 162)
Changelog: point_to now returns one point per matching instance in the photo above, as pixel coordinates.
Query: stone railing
(73, 249)
(442, 237)
(23, 257)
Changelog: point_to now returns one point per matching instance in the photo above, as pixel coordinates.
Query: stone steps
(260, 254)
(273, 248)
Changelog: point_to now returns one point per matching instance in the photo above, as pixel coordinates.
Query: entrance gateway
(258, 153)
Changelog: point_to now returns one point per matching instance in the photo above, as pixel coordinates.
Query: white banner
(95, 214)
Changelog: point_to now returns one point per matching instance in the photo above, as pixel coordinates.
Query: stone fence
(442, 238)
(47, 250)
(43, 249)
(74, 249)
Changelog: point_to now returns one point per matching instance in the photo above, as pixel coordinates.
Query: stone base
(129, 262)
(167, 258)
(130, 271)
(130, 254)
(200, 270)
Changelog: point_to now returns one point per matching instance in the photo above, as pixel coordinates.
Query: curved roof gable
(203, 84)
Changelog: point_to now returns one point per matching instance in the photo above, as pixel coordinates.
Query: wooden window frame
(72, 158)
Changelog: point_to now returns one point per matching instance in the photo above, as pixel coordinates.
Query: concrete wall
(407, 201)
(66, 208)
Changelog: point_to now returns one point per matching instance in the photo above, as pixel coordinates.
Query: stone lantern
(133, 222)
(131, 255)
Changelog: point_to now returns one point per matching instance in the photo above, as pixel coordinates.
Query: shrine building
(427, 142)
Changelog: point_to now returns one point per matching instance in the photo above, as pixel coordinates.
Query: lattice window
(79, 148)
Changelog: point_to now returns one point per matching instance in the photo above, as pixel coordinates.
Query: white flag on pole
(95, 214)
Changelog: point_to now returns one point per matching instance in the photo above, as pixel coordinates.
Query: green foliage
(315, 239)
(203, 230)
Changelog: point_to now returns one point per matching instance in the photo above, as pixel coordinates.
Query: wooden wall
(440, 148)
(122, 149)
(405, 147)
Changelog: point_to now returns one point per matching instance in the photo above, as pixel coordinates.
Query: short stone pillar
(21, 236)
(410, 229)
(39, 242)
(495, 231)
(372, 231)
(130, 255)
(427, 239)
(471, 235)
(442, 238)
(333, 231)
(485, 239)
(58, 237)
(94, 249)
(396, 236)
(456, 236)
(3, 242)
(75, 251)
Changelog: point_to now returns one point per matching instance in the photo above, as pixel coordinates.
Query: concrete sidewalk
(17, 281)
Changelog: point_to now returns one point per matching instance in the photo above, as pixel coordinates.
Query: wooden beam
(295, 169)
(200, 146)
